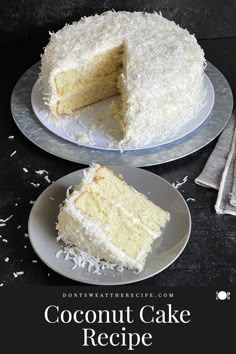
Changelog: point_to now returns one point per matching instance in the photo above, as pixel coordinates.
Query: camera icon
(222, 295)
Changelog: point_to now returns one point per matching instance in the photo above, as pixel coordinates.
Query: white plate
(87, 129)
(165, 250)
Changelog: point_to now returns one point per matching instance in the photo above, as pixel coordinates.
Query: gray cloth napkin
(220, 170)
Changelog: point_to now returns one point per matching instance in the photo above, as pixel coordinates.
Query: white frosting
(163, 73)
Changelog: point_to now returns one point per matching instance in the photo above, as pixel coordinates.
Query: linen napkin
(220, 170)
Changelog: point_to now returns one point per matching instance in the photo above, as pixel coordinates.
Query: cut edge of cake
(77, 228)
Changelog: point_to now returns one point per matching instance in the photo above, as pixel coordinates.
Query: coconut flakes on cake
(83, 259)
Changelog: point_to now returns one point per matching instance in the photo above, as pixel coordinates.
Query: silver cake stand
(31, 127)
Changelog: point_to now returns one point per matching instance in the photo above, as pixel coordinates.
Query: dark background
(209, 258)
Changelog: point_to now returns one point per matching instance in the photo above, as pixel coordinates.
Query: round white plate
(165, 250)
(94, 126)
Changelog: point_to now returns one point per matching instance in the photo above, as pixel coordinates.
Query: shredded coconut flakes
(178, 184)
(83, 259)
(36, 185)
(13, 153)
(47, 179)
(5, 220)
(40, 172)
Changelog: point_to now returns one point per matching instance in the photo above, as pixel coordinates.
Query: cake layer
(88, 92)
(103, 181)
(130, 238)
(102, 66)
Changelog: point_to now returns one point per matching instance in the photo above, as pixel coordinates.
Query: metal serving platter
(31, 127)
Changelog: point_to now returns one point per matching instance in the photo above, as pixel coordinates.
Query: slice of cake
(156, 66)
(110, 220)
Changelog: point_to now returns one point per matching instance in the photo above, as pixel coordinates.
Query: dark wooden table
(209, 257)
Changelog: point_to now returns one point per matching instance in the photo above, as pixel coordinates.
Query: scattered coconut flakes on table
(26, 235)
(7, 259)
(11, 137)
(178, 184)
(18, 227)
(51, 198)
(34, 261)
(25, 170)
(4, 240)
(47, 179)
(1, 284)
(192, 199)
(32, 202)
(13, 153)
(16, 274)
(4, 224)
(36, 185)
(40, 172)
(5, 220)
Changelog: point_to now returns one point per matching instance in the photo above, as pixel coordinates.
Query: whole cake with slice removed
(156, 66)
(110, 220)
